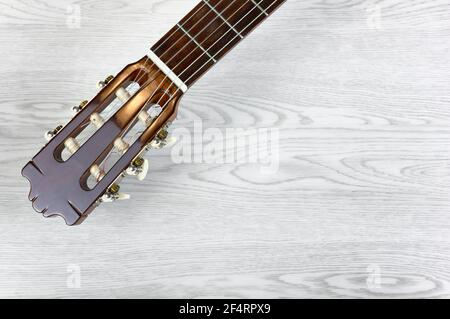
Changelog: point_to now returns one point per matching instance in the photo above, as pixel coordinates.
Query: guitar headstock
(69, 177)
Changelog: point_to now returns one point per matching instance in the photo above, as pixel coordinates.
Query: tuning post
(121, 145)
(123, 95)
(97, 120)
(145, 117)
(97, 172)
(72, 146)
(155, 110)
(105, 82)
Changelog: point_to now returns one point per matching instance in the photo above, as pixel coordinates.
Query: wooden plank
(358, 208)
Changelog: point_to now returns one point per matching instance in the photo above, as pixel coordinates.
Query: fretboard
(207, 33)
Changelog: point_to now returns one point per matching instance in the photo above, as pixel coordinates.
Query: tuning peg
(139, 168)
(144, 171)
(155, 110)
(163, 133)
(72, 146)
(110, 198)
(113, 195)
(159, 144)
(50, 134)
(82, 105)
(102, 84)
(122, 196)
(97, 120)
(119, 143)
(162, 139)
(147, 117)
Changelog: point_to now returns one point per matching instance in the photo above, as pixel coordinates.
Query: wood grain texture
(360, 207)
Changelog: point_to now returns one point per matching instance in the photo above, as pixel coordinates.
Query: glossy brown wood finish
(60, 187)
(208, 32)
(195, 44)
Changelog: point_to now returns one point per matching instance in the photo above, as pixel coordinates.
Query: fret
(214, 32)
(207, 33)
(243, 11)
(195, 41)
(220, 16)
(260, 8)
(256, 17)
(247, 29)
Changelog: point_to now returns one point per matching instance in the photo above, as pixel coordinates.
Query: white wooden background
(360, 91)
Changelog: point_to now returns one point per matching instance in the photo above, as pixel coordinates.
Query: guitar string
(190, 40)
(275, 1)
(204, 40)
(167, 39)
(248, 25)
(138, 76)
(265, 10)
(209, 60)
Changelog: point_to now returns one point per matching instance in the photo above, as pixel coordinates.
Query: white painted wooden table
(360, 206)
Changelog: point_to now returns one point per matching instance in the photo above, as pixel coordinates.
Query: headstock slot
(87, 129)
(139, 76)
(107, 110)
(168, 114)
(98, 146)
(130, 136)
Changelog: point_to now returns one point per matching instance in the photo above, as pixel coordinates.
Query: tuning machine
(102, 84)
(139, 168)
(78, 108)
(50, 134)
(113, 194)
(163, 139)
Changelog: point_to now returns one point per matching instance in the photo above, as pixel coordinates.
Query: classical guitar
(74, 172)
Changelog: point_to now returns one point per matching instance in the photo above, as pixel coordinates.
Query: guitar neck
(206, 34)
(59, 185)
